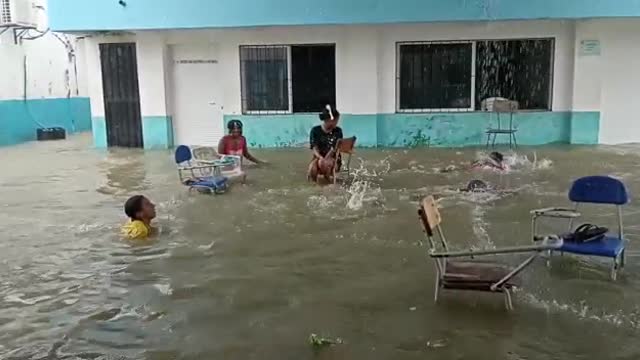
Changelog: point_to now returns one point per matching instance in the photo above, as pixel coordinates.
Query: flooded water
(252, 273)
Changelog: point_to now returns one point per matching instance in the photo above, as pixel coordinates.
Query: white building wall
(610, 83)
(366, 55)
(50, 71)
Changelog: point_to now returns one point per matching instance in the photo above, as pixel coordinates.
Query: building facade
(402, 73)
(42, 81)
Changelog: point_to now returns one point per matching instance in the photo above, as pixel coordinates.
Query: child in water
(495, 162)
(140, 212)
(323, 140)
(235, 143)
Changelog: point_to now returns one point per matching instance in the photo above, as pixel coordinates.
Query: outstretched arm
(247, 154)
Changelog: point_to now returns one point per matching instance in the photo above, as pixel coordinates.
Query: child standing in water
(235, 143)
(140, 212)
(323, 140)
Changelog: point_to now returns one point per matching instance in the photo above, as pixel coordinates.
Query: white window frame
(438, 110)
(289, 78)
(289, 82)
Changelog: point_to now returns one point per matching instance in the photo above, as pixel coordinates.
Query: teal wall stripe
(157, 132)
(19, 119)
(99, 129)
(585, 127)
(85, 15)
(410, 130)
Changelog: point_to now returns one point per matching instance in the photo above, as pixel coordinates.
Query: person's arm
(247, 154)
(221, 146)
(313, 143)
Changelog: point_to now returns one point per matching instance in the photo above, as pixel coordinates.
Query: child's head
(330, 116)
(235, 127)
(140, 208)
(496, 156)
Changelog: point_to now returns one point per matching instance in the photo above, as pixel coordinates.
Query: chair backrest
(183, 154)
(346, 145)
(599, 190)
(205, 153)
(430, 215)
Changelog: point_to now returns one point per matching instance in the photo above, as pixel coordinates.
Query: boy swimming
(140, 212)
(495, 162)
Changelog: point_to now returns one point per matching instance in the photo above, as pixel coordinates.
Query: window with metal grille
(518, 70)
(435, 76)
(313, 77)
(285, 79)
(5, 11)
(264, 72)
(457, 76)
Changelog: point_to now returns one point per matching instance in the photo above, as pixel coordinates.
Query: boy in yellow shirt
(140, 212)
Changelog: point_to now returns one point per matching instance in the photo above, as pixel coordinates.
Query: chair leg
(515, 142)
(614, 269)
(507, 300)
(493, 144)
(488, 140)
(622, 259)
(437, 290)
(549, 256)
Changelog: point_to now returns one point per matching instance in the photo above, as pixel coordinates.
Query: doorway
(197, 95)
(121, 94)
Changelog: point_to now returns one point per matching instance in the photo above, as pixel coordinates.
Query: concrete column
(153, 67)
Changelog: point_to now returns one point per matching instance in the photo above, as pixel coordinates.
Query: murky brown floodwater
(250, 274)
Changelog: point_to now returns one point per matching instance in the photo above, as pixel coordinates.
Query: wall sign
(590, 47)
(196, 61)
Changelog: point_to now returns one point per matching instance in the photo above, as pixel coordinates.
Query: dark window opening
(264, 75)
(518, 70)
(435, 76)
(313, 77)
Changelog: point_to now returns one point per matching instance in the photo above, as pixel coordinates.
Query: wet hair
(477, 185)
(496, 156)
(133, 206)
(329, 113)
(234, 125)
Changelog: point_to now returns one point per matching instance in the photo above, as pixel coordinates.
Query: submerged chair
(208, 155)
(472, 274)
(603, 190)
(207, 178)
(344, 146)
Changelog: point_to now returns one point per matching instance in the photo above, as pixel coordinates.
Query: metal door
(121, 95)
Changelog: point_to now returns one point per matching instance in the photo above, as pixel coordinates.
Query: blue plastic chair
(207, 178)
(603, 190)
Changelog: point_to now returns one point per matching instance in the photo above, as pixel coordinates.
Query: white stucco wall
(610, 82)
(366, 64)
(50, 71)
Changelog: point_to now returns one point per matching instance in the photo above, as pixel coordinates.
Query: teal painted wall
(585, 127)
(157, 132)
(440, 130)
(19, 119)
(99, 129)
(293, 130)
(83, 15)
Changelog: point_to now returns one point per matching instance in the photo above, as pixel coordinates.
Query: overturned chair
(202, 177)
(471, 274)
(602, 190)
(346, 147)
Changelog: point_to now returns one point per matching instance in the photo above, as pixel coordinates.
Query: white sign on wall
(196, 61)
(590, 48)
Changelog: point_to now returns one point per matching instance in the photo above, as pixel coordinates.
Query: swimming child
(495, 162)
(140, 212)
(235, 143)
(323, 140)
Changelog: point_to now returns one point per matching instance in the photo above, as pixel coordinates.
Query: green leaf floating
(319, 341)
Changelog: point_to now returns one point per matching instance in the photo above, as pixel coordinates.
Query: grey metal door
(121, 94)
